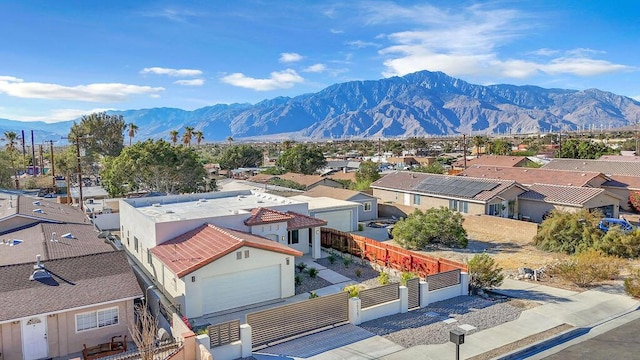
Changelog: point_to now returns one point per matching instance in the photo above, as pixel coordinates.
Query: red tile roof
(528, 176)
(207, 243)
(565, 195)
(294, 220)
(493, 160)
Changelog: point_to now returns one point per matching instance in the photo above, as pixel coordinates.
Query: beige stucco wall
(426, 201)
(62, 337)
(622, 193)
(604, 200)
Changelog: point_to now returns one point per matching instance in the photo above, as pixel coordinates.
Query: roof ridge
(226, 232)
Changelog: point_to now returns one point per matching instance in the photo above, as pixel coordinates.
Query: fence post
(424, 293)
(403, 292)
(246, 340)
(464, 283)
(355, 313)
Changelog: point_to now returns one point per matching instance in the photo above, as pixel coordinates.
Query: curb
(563, 337)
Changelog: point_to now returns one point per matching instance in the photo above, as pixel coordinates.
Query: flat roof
(206, 205)
(323, 202)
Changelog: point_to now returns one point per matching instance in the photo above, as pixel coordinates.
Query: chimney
(38, 265)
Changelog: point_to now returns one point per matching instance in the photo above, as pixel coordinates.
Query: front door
(34, 338)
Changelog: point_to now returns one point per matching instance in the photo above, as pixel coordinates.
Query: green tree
(366, 174)
(132, 130)
(6, 170)
(501, 147)
(484, 273)
(153, 166)
(618, 243)
(101, 134)
(436, 225)
(302, 159)
(583, 149)
(435, 168)
(11, 139)
(568, 232)
(478, 142)
(237, 156)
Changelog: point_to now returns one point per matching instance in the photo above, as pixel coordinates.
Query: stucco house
(267, 230)
(542, 198)
(529, 176)
(62, 286)
(368, 209)
(492, 160)
(339, 214)
(466, 195)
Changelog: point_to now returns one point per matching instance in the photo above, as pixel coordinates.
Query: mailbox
(456, 336)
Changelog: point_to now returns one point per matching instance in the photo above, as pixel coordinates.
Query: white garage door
(339, 220)
(239, 289)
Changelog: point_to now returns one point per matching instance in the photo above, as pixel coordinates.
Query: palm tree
(188, 135)
(229, 139)
(133, 129)
(12, 139)
(199, 136)
(174, 137)
(478, 142)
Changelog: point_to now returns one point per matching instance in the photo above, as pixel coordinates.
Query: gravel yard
(425, 326)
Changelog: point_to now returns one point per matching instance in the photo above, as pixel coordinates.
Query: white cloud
(171, 72)
(278, 80)
(99, 92)
(468, 42)
(192, 82)
(55, 115)
(362, 44)
(336, 31)
(315, 68)
(290, 57)
(177, 15)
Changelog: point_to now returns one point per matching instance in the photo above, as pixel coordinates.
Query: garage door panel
(339, 220)
(243, 288)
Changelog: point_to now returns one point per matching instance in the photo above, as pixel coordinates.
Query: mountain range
(419, 104)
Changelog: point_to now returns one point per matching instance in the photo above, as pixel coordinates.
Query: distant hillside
(419, 104)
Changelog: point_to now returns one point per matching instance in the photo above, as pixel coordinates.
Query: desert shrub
(383, 278)
(298, 280)
(313, 295)
(587, 268)
(358, 272)
(569, 232)
(406, 276)
(346, 262)
(301, 266)
(436, 225)
(313, 272)
(332, 258)
(353, 290)
(484, 273)
(618, 243)
(632, 283)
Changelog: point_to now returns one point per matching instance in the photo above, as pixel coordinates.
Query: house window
(238, 255)
(367, 206)
(135, 243)
(294, 237)
(96, 319)
(453, 204)
(460, 206)
(246, 254)
(495, 209)
(416, 199)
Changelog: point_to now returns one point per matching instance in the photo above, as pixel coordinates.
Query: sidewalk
(558, 307)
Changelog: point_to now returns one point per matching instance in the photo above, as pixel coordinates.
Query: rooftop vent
(53, 237)
(68, 236)
(37, 203)
(38, 210)
(11, 242)
(156, 205)
(39, 272)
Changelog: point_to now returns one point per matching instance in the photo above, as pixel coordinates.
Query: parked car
(606, 223)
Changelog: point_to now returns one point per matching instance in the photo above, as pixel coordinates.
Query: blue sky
(62, 59)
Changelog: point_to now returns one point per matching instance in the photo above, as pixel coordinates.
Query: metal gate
(294, 319)
(413, 285)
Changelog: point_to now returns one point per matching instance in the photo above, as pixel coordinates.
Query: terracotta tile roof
(294, 220)
(51, 211)
(528, 176)
(565, 195)
(629, 182)
(410, 181)
(328, 191)
(607, 167)
(77, 282)
(261, 216)
(37, 240)
(207, 243)
(492, 160)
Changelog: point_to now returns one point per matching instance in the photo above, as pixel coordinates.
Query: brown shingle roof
(302, 179)
(628, 168)
(565, 195)
(492, 160)
(619, 158)
(328, 191)
(51, 211)
(79, 281)
(207, 243)
(528, 176)
(410, 181)
(351, 176)
(37, 240)
(629, 182)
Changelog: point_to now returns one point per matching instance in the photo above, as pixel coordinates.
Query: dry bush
(632, 283)
(587, 268)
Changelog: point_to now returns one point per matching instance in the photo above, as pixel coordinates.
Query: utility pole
(79, 173)
(464, 149)
(53, 165)
(33, 155)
